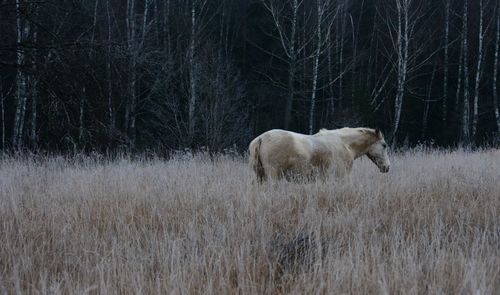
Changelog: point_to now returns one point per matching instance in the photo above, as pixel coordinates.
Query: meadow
(196, 224)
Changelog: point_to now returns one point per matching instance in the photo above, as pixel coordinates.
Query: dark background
(104, 75)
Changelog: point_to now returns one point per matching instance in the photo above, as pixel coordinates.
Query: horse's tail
(256, 161)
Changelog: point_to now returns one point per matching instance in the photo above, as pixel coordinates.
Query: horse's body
(278, 153)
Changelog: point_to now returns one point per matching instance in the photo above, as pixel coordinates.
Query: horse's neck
(356, 143)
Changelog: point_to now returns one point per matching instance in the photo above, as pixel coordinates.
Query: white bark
(402, 47)
(315, 67)
(478, 70)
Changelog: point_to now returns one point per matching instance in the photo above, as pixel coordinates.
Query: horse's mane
(322, 131)
(349, 130)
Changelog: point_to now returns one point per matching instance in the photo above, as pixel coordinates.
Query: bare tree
(34, 87)
(285, 22)
(135, 46)
(425, 117)
(320, 12)
(478, 68)
(341, 33)
(465, 62)
(22, 30)
(2, 113)
(446, 59)
(222, 111)
(495, 68)
(402, 42)
(108, 69)
(193, 74)
(132, 52)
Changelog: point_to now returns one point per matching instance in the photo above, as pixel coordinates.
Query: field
(196, 224)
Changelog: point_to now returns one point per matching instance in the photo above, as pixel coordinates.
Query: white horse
(280, 153)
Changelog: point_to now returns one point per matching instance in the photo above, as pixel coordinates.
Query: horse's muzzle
(385, 169)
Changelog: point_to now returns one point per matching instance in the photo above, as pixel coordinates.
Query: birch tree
(322, 8)
(320, 11)
(478, 69)
(285, 21)
(402, 44)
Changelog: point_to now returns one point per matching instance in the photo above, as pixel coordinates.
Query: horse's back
(282, 152)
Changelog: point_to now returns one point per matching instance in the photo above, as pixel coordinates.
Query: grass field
(199, 225)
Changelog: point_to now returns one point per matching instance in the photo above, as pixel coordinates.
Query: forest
(163, 75)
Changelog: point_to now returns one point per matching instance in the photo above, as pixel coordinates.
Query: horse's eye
(384, 145)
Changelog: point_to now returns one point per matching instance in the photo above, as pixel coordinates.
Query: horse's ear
(378, 133)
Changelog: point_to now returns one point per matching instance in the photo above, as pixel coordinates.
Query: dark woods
(171, 74)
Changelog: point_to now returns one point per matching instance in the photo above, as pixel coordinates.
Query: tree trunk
(34, 91)
(495, 70)
(402, 40)
(34, 99)
(133, 51)
(330, 74)
(193, 77)
(315, 69)
(2, 113)
(108, 70)
(425, 117)
(446, 45)
(21, 92)
(460, 73)
(80, 117)
(478, 71)
(292, 67)
(341, 34)
(466, 106)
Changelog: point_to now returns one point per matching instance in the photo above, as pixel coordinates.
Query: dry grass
(195, 225)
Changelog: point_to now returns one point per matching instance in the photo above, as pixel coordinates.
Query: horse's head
(377, 152)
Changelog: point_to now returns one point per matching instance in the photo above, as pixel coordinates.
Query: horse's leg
(275, 174)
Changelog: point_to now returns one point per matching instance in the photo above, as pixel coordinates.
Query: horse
(278, 154)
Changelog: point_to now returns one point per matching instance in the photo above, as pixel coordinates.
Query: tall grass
(197, 224)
